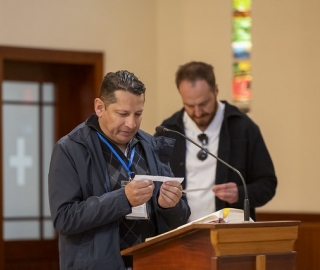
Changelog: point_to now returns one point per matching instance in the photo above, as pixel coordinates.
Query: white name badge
(138, 212)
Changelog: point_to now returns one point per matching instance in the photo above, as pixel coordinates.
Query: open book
(226, 215)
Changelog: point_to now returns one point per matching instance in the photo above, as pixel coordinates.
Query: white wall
(286, 97)
(285, 85)
(152, 38)
(190, 30)
(124, 30)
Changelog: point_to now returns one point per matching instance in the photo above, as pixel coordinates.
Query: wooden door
(44, 94)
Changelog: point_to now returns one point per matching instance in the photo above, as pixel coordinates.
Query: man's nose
(130, 122)
(197, 111)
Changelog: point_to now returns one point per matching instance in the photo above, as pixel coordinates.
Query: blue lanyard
(127, 167)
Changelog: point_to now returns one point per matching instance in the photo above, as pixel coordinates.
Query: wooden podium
(252, 245)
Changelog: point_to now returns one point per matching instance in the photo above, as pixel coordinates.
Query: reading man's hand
(139, 192)
(227, 192)
(170, 194)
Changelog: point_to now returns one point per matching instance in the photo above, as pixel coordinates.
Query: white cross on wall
(20, 161)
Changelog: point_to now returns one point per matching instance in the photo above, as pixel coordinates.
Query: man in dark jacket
(227, 133)
(96, 207)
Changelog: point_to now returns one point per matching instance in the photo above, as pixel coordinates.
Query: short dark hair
(193, 71)
(120, 80)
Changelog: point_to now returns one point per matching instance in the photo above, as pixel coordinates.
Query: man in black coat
(227, 133)
(97, 206)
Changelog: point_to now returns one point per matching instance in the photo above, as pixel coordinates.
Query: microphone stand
(246, 206)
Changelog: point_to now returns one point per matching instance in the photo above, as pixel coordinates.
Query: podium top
(230, 234)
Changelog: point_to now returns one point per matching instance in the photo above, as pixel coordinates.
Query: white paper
(138, 212)
(158, 178)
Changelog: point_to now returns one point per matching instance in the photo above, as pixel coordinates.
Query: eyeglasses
(203, 138)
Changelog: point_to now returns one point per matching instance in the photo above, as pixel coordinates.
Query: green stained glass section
(242, 5)
(241, 29)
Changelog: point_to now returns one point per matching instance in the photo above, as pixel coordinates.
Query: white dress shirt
(202, 174)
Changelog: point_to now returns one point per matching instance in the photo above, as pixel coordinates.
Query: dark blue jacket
(242, 146)
(85, 211)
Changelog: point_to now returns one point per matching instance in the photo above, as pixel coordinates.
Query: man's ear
(216, 90)
(98, 106)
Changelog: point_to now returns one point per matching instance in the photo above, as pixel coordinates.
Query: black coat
(242, 146)
(84, 209)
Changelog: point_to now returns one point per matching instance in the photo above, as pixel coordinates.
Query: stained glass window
(241, 47)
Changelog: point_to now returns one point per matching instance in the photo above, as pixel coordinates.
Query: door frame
(60, 58)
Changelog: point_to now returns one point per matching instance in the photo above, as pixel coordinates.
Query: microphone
(246, 207)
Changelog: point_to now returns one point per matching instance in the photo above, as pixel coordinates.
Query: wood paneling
(308, 243)
(42, 255)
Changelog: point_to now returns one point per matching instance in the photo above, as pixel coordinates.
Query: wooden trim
(254, 240)
(271, 216)
(308, 243)
(49, 56)
(47, 250)
(210, 228)
(94, 59)
(1, 173)
(261, 262)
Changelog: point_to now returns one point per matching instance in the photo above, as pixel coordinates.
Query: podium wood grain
(219, 247)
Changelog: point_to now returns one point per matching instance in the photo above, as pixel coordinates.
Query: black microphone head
(160, 129)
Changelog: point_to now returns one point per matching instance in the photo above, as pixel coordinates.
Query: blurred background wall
(152, 38)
